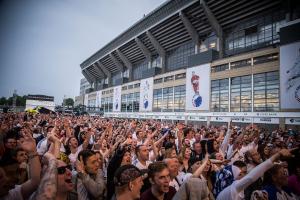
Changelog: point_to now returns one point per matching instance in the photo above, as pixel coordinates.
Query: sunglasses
(62, 170)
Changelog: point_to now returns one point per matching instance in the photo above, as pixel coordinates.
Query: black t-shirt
(147, 195)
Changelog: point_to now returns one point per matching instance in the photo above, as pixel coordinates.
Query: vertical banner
(117, 99)
(146, 94)
(98, 98)
(86, 99)
(198, 87)
(290, 76)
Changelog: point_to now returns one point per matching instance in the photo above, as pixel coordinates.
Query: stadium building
(84, 86)
(204, 62)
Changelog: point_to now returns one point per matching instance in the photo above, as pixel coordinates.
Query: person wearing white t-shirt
(176, 178)
(72, 143)
(142, 161)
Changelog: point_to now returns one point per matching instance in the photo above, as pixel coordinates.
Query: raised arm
(87, 139)
(225, 142)
(28, 145)
(55, 143)
(113, 148)
(155, 151)
(150, 138)
(179, 138)
(48, 186)
(259, 170)
(161, 139)
(200, 169)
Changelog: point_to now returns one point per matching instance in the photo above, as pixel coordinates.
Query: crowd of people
(50, 156)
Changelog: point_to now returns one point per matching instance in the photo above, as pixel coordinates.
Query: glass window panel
(219, 95)
(178, 57)
(256, 32)
(266, 92)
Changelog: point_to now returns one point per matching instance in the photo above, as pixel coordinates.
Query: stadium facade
(84, 86)
(203, 61)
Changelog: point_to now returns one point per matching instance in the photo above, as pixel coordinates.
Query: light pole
(64, 104)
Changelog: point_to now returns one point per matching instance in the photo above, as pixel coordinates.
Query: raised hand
(179, 126)
(230, 125)
(52, 137)
(27, 143)
(287, 152)
(80, 166)
(66, 123)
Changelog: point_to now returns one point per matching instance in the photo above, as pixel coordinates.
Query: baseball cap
(128, 173)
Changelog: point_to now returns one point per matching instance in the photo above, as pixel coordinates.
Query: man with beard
(159, 178)
(90, 181)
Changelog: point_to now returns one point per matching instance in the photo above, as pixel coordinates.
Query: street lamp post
(64, 104)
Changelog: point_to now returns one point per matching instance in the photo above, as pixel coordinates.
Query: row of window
(106, 104)
(265, 93)
(255, 33)
(171, 99)
(178, 58)
(130, 102)
(236, 93)
(129, 87)
(170, 78)
(108, 91)
(156, 81)
(246, 62)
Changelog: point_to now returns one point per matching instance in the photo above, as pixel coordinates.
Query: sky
(43, 42)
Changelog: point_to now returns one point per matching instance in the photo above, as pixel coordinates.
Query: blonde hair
(168, 152)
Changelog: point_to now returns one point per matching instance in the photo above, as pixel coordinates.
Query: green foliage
(69, 102)
(3, 101)
(20, 101)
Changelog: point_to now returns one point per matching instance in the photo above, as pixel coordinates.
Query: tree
(10, 101)
(69, 102)
(21, 101)
(3, 101)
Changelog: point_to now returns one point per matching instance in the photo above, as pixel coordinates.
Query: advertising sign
(146, 94)
(198, 87)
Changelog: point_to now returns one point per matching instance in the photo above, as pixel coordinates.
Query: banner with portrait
(117, 99)
(290, 76)
(198, 87)
(146, 94)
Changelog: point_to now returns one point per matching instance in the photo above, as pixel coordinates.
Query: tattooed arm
(48, 185)
(27, 143)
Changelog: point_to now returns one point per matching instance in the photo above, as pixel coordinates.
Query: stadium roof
(167, 27)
